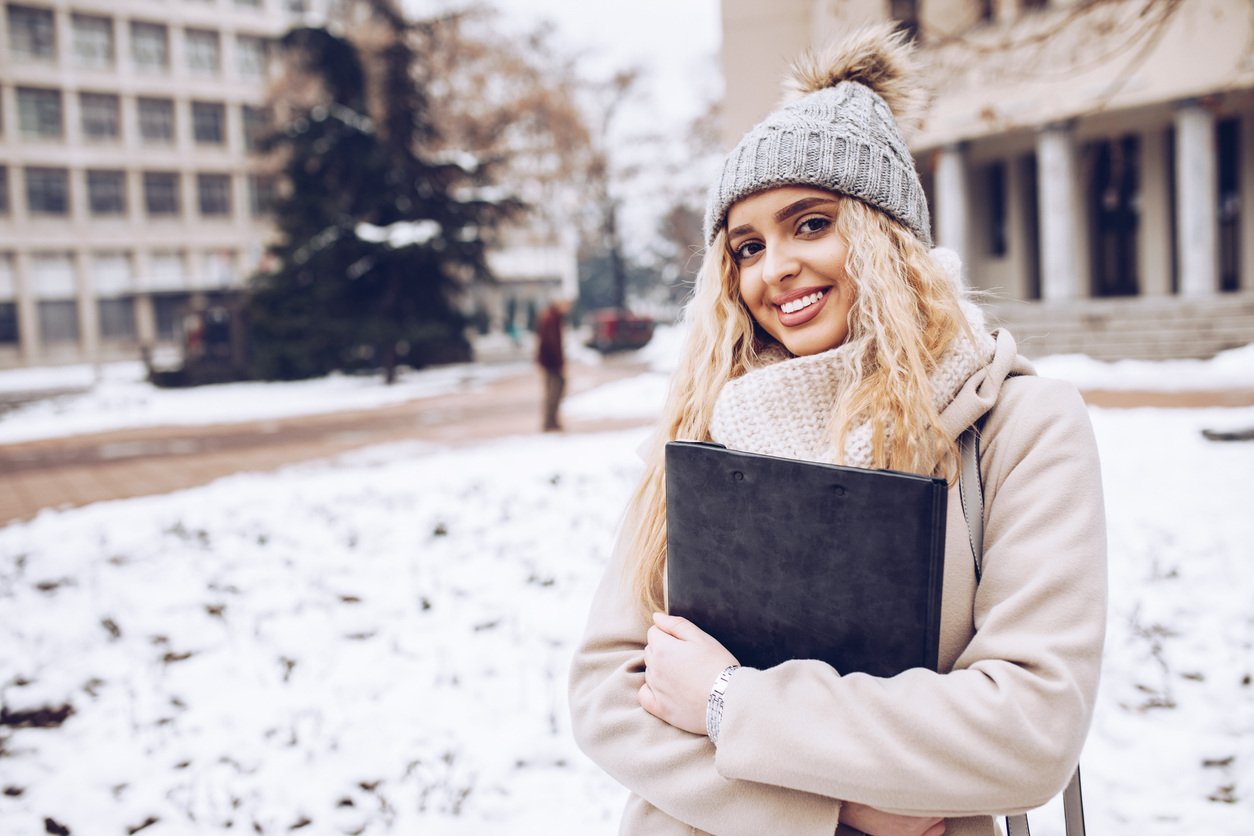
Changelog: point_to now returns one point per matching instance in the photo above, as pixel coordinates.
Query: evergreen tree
(377, 232)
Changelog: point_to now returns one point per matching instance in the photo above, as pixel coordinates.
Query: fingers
(674, 625)
(646, 699)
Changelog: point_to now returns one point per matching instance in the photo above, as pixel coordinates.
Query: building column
(28, 331)
(88, 310)
(1154, 235)
(1247, 203)
(145, 320)
(952, 199)
(1197, 200)
(1061, 213)
(1018, 234)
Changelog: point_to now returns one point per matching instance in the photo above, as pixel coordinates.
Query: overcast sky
(673, 43)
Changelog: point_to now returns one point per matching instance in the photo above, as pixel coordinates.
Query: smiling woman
(824, 327)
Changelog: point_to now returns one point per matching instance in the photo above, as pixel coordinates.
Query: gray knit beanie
(840, 134)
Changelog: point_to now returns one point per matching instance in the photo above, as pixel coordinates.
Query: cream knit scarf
(783, 407)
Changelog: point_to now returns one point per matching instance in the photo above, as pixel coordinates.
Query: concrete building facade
(1092, 162)
(129, 176)
(131, 185)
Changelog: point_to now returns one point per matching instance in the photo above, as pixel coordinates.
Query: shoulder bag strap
(971, 492)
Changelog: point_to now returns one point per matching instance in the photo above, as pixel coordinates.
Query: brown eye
(747, 250)
(811, 226)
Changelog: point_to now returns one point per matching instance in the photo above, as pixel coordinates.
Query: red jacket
(549, 340)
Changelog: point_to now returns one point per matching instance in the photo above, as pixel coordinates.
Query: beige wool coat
(999, 729)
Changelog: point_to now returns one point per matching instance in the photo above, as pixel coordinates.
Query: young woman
(824, 327)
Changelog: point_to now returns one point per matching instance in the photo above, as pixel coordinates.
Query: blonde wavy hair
(905, 314)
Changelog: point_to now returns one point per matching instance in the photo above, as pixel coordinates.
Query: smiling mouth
(794, 305)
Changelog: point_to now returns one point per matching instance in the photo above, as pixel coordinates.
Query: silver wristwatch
(714, 706)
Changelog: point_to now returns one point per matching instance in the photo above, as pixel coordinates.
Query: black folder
(784, 559)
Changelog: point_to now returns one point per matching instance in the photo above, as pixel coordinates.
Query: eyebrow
(792, 209)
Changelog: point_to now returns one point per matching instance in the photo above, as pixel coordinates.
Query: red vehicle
(619, 330)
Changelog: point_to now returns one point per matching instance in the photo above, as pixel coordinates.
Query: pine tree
(377, 232)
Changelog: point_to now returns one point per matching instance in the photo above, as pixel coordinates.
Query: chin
(805, 345)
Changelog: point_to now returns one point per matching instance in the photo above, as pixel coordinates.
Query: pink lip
(801, 317)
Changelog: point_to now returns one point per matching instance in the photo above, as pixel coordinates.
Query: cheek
(750, 289)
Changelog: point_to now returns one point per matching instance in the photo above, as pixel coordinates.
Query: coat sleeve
(1002, 731)
(671, 770)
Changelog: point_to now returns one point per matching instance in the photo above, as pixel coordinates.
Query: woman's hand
(681, 662)
(878, 823)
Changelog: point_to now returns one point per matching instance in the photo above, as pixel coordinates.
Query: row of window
(48, 193)
(59, 324)
(33, 37)
(41, 115)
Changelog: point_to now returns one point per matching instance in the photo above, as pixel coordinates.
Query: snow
(399, 234)
(114, 396)
(123, 398)
(379, 643)
(1232, 369)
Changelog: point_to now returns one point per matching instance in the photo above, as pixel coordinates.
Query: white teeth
(804, 302)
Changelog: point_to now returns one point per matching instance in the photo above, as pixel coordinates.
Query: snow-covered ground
(116, 395)
(379, 643)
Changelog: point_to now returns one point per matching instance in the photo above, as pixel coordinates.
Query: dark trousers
(554, 386)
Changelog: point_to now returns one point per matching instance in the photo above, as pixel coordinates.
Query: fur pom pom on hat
(838, 131)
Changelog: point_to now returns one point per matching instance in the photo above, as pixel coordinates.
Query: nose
(780, 263)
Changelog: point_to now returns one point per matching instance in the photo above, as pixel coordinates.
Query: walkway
(78, 470)
(67, 472)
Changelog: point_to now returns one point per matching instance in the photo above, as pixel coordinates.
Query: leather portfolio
(784, 559)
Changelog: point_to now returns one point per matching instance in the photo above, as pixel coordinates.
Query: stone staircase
(1146, 328)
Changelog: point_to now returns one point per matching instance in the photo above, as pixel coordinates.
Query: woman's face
(791, 262)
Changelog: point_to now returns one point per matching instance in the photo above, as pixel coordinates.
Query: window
(1229, 141)
(117, 318)
(209, 123)
(93, 41)
(4, 190)
(156, 121)
(1114, 202)
(48, 191)
(58, 320)
(998, 218)
(204, 53)
(150, 46)
(161, 193)
(256, 122)
(9, 334)
(251, 57)
(32, 35)
(106, 192)
(262, 194)
(111, 273)
(252, 4)
(215, 194)
(52, 274)
(984, 11)
(167, 309)
(99, 112)
(39, 112)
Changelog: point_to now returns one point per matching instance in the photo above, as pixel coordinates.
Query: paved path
(78, 470)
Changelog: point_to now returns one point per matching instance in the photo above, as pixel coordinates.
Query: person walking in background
(823, 326)
(552, 359)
